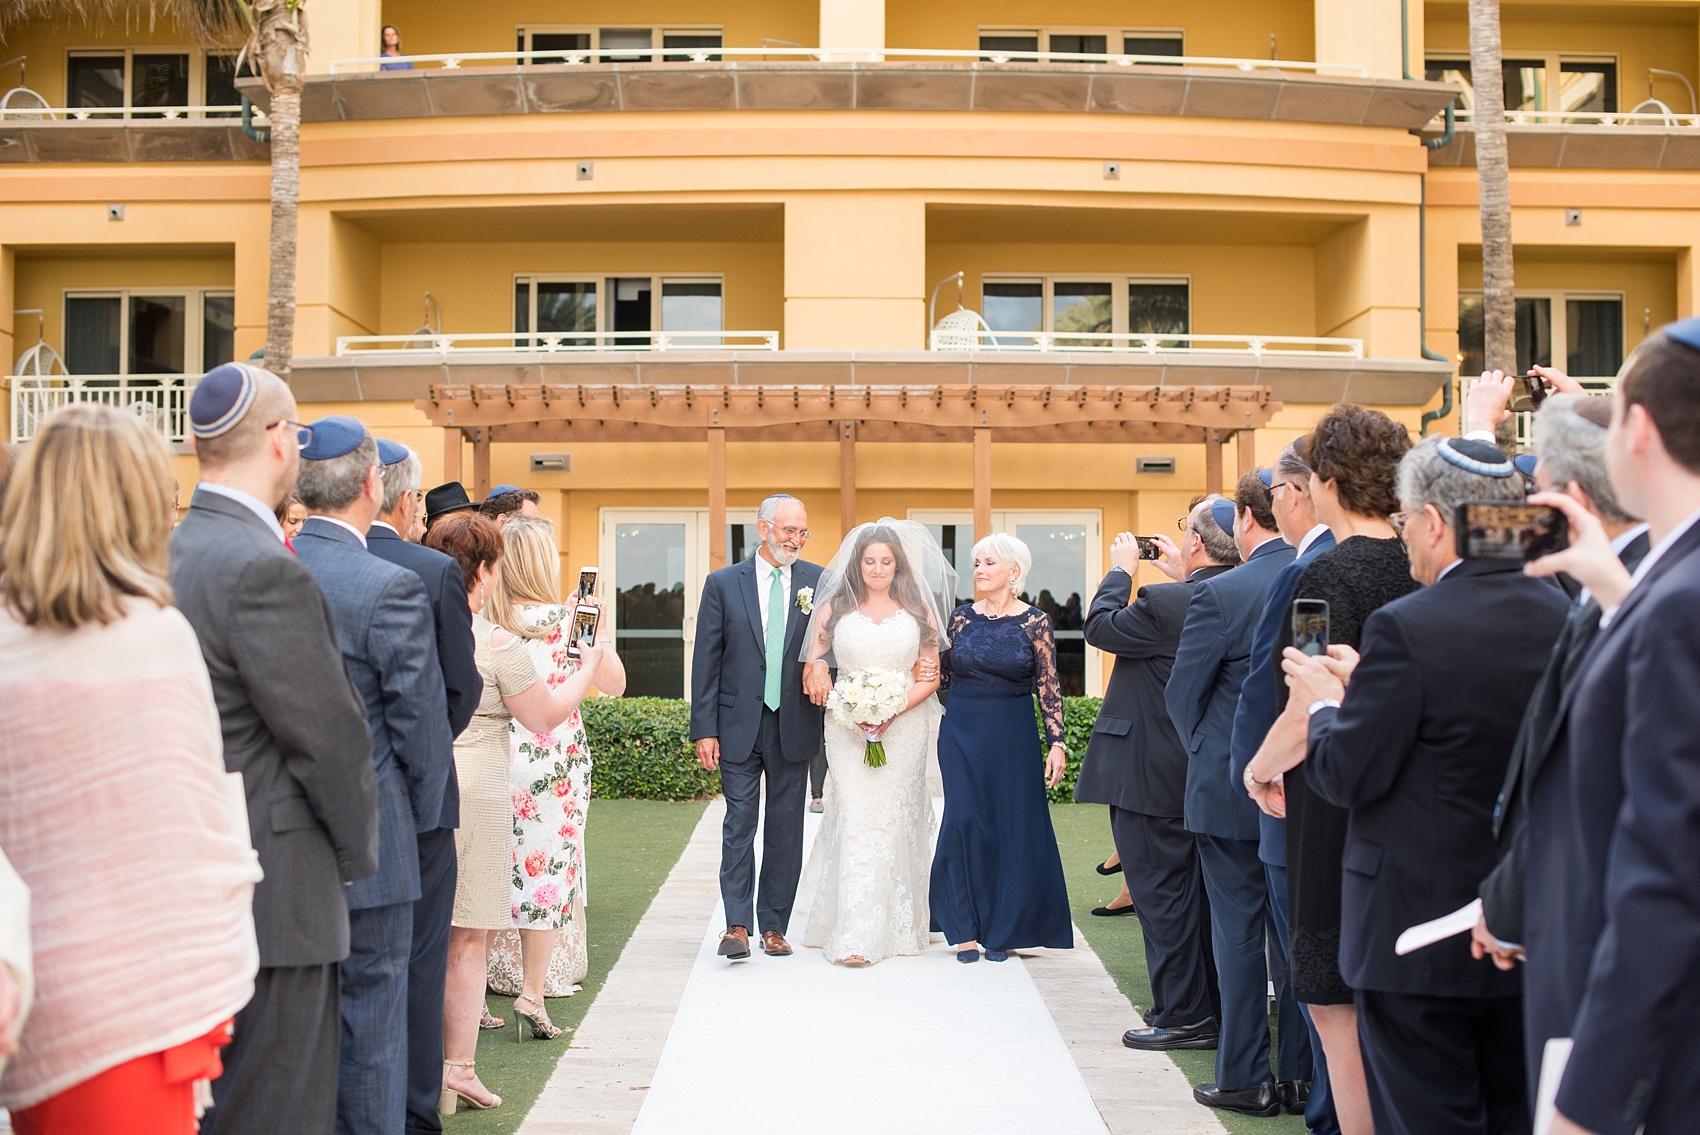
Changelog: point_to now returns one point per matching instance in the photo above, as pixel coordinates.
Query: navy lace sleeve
(1045, 681)
(958, 620)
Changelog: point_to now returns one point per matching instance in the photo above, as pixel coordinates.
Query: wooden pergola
(1167, 415)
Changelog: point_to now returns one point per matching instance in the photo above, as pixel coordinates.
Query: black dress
(997, 876)
(1358, 576)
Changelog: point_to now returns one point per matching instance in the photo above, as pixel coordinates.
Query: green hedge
(641, 748)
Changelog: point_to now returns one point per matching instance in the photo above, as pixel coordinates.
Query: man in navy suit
(750, 719)
(1416, 746)
(1301, 1079)
(1612, 917)
(1202, 696)
(389, 647)
(427, 968)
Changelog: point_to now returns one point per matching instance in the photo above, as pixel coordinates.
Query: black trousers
(782, 832)
(1160, 863)
(817, 773)
(281, 1065)
(1443, 1065)
(427, 973)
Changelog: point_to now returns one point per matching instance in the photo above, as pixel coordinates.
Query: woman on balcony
(394, 60)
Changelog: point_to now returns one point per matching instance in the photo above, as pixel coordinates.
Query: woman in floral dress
(549, 776)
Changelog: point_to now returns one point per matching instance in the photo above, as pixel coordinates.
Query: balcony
(42, 133)
(806, 79)
(1550, 139)
(160, 400)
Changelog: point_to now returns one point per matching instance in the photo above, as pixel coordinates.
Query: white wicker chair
(961, 330)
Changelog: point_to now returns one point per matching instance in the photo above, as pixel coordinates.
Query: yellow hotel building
(977, 262)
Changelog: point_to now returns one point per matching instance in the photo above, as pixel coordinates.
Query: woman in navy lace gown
(997, 877)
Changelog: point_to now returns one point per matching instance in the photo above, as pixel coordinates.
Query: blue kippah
(391, 452)
(1475, 457)
(1222, 512)
(335, 436)
(221, 399)
(1526, 463)
(1684, 331)
(499, 490)
(1267, 476)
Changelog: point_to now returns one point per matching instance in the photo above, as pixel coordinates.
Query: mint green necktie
(775, 639)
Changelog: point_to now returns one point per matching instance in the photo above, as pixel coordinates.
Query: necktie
(775, 639)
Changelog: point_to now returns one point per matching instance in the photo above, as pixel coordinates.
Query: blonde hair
(1011, 550)
(528, 572)
(87, 520)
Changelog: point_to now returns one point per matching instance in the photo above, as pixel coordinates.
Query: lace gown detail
(986, 655)
(869, 869)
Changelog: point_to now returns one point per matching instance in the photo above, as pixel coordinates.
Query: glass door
(656, 560)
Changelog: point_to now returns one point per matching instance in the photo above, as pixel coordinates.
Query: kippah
(391, 452)
(1475, 457)
(1594, 409)
(1267, 476)
(221, 399)
(1684, 331)
(1526, 463)
(499, 490)
(335, 436)
(1222, 512)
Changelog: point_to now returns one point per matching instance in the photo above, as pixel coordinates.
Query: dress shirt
(1445, 571)
(1310, 538)
(359, 535)
(764, 584)
(381, 524)
(1653, 556)
(251, 503)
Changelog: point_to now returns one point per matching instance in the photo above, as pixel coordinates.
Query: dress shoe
(1104, 868)
(774, 945)
(735, 944)
(1293, 1094)
(1114, 911)
(817, 806)
(1200, 1035)
(1259, 1101)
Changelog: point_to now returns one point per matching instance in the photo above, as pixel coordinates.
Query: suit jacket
(1502, 891)
(1613, 932)
(1417, 751)
(1134, 759)
(1260, 701)
(1204, 690)
(462, 684)
(389, 645)
(293, 725)
(729, 666)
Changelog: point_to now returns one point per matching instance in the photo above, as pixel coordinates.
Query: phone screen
(1514, 532)
(1310, 625)
(587, 582)
(1148, 549)
(585, 621)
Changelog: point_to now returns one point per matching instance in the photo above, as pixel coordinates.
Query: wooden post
(716, 499)
(451, 454)
(982, 483)
(1245, 443)
(1212, 461)
(846, 477)
(481, 463)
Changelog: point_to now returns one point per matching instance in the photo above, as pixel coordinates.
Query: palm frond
(210, 21)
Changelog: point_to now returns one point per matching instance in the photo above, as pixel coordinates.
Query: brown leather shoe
(735, 944)
(774, 945)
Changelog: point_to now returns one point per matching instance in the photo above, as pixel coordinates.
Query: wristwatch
(1322, 703)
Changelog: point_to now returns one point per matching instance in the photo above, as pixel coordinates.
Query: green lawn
(630, 847)
(1083, 834)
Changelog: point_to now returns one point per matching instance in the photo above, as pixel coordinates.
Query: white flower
(868, 697)
(806, 600)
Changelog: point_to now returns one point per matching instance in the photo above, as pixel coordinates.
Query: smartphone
(587, 581)
(1310, 625)
(1535, 392)
(586, 620)
(1501, 530)
(1149, 548)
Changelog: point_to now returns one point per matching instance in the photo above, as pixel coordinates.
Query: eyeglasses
(1184, 524)
(791, 533)
(1275, 490)
(1399, 520)
(303, 434)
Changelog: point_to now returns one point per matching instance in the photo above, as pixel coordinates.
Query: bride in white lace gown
(872, 858)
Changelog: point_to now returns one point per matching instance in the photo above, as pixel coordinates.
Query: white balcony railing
(557, 342)
(1045, 342)
(174, 115)
(160, 400)
(454, 60)
(1663, 118)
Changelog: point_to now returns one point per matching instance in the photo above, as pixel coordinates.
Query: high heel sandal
(489, 1021)
(541, 1028)
(450, 1098)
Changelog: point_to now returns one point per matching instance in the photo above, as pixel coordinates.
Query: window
(1589, 326)
(1016, 308)
(1079, 41)
(621, 45)
(1587, 85)
(144, 78)
(1578, 85)
(545, 305)
(148, 332)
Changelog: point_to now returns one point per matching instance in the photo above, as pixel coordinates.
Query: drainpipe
(1422, 224)
(248, 123)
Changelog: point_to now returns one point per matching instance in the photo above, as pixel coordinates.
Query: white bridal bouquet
(865, 698)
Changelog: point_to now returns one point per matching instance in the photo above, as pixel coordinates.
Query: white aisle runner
(920, 1044)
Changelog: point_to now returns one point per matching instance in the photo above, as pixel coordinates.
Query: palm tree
(273, 34)
(1493, 175)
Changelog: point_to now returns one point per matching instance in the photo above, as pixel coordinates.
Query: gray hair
(1011, 550)
(1289, 465)
(1573, 449)
(336, 483)
(401, 478)
(769, 508)
(1218, 544)
(1425, 478)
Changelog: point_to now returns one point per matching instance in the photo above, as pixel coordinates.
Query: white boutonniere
(806, 600)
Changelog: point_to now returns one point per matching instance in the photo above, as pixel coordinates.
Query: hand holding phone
(1149, 549)
(1310, 626)
(1515, 532)
(587, 618)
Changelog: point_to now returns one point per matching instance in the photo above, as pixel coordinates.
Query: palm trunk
(286, 195)
(1493, 174)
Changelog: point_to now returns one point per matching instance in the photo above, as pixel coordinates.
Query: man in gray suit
(294, 728)
(388, 636)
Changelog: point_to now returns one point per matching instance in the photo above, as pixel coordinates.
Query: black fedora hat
(446, 499)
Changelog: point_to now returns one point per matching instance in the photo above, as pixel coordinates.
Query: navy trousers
(782, 832)
(427, 972)
(1160, 863)
(1443, 1065)
(1233, 877)
(372, 1076)
(282, 1057)
(1319, 1108)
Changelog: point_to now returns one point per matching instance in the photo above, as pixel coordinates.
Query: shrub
(1078, 717)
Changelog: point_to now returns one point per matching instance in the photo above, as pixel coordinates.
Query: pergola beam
(716, 499)
(847, 476)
